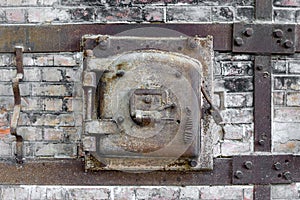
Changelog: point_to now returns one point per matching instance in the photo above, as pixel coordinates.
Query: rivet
(278, 33)
(120, 119)
(287, 175)
(248, 164)
(288, 44)
(278, 166)
(238, 174)
(259, 67)
(120, 73)
(103, 44)
(261, 142)
(193, 44)
(147, 99)
(178, 74)
(193, 163)
(239, 41)
(249, 32)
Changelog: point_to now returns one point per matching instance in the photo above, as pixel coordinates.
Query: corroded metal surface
(17, 103)
(151, 88)
(71, 172)
(262, 103)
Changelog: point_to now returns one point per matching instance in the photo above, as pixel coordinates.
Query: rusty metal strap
(266, 170)
(17, 103)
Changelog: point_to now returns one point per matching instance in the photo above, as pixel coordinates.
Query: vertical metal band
(262, 192)
(262, 103)
(264, 10)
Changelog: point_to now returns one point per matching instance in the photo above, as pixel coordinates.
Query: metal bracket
(265, 169)
(264, 38)
(17, 101)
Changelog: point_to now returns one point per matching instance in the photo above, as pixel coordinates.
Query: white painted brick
(56, 192)
(293, 99)
(279, 66)
(236, 100)
(286, 114)
(30, 133)
(44, 60)
(53, 119)
(88, 193)
(248, 193)
(221, 192)
(189, 193)
(38, 192)
(6, 59)
(42, 15)
(51, 104)
(229, 147)
(124, 193)
(233, 132)
(236, 116)
(278, 98)
(290, 147)
(6, 149)
(58, 150)
(285, 191)
(167, 193)
(53, 134)
(65, 60)
(284, 132)
(294, 67)
(49, 90)
(52, 74)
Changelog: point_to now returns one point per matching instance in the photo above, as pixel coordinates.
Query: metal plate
(262, 103)
(264, 38)
(152, 134)
(265, 169)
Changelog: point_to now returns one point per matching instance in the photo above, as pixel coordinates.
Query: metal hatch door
(143, 102)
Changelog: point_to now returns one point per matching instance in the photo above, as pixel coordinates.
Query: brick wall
(51, 116)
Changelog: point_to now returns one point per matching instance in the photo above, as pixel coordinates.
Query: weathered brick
(287, 3)
(30, 133)
(289, 191)
(241, 68)
(57, 150)
(239, 100)
(236, 116)
(2, 16)
(284, 132)
(52, 104)
(5, 59)
(20, 2)
(248, 193)
(188, 14)
(233, 132)
(8, 193)
(82, 14)
(226, 2)
(153, 1)
(15, 15)
(72, 133)
(6, 149)
(284, 16)
(230, 147)
(66, 60)
(82, 2)
(47, 2)
(279, 66)
(290, 147)
(222, 14)
(293, 99)
(56, 192)
(130, 14)
(286, 114)
(238, 84)
(88, 193)
(221, 192)
(244, 13)
(153, 14)
(30, 74)
(47, 15)
(294, 67)
(6, 89)
(189, 193)
(167, 193)
(38, 192)
(7, 74)
(21, 193)
(287, 83)
(298, 16)
(45, 89)
(41, 60)
(124, 193)
(52, 119)
(72, 104)
(278, 98)
(53, 134)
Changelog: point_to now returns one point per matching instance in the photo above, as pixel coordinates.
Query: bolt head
(178, 74)
(261, 142)
(248, 164)
(120, 73)
(259, 67)
(193, 163)
(249, 32)
(120, 119)
(288, 44)
(287, 175)
(278, 33)
(239, 41)
(147, 100)
(238, 174)
(278, 166)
